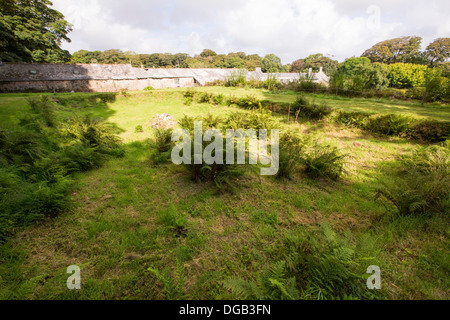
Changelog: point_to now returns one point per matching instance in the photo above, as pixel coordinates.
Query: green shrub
(352, 119)
(139, 129)
(272, 284)
(36, 163)
(149, 88)
(187, 123)
(299, 104)
(219, 99)
(211, 122)
(170, 218)
(232, 100)
(260, 119)
(406, 75)
(422, 187)
(236, 120)
(223, 175)
(315, 112)
(307, 109)
(248, 102)
(23, 203)
(189, 96)
(81, 157)
(332, 269)
(417, 193)
(20, 147)
(237, 78)
(45, 107)
(430, 130)
(311, 265)
(93, 132)
(429, 159)
(322, 160)
(205, 97)
(390, 125)
(291, 148)
(272, 82)
(162, 146)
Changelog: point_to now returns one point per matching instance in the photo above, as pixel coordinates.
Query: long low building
(16, 77)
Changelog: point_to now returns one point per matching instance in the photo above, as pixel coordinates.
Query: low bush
(236, 120)
(307, 109)
(205, 97)
(189, 96)
(161, 145)
(37, 159)
(211, 122)
(187, 123)
(429, 130)
(317, 265)
(223, 175)
(291, 148)
(248, 102)
(218, 99)
(237, 78)
(139, 129)
(352, 119)
(390, 125)
(315, 112)
(422, 186)
(260, 119)
(45, 107)
(323, 161)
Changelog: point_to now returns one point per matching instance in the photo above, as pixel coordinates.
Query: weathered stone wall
(93, 85)
(16, 77)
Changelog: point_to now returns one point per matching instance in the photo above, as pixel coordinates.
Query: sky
(292, 29)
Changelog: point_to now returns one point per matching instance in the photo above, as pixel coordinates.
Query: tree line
(31, 31)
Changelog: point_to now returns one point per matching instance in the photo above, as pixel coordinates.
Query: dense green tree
(114, 56)
(404, 49)
(84, 56)
(179, 58)
(359, 74)
(329, 65)
(272, 64)
(438, 50)
(349, 66)
(309, 59)
(445, 68)
(32, 31)
(407, 75)
(208, 53)
(298, 66)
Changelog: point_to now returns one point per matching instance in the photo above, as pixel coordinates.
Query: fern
(173, 285)
(273, 284)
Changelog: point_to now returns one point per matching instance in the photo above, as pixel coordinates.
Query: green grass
(131, 216)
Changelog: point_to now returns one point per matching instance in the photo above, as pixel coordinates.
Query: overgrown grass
(144, 231)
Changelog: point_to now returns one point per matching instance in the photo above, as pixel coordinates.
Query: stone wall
(94, 85)
(16, 77)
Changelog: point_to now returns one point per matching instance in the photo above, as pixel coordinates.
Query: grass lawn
(131, 216)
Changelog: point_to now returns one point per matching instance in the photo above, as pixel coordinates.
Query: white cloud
(291, 29)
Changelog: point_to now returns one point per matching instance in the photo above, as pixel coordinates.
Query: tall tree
(208, 53)
(349, 66)
(272, 64)
(30, 30)
(403, 49)
(438, 50)
(298, 65)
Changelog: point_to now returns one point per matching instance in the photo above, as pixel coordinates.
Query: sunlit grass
(130, 215)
